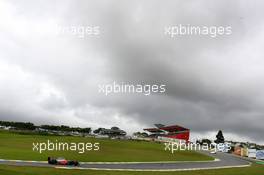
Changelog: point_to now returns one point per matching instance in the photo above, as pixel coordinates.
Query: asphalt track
(223, 160)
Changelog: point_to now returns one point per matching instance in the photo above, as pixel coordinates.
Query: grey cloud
(212, 83)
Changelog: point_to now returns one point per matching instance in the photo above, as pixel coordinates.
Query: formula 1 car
(62, 161)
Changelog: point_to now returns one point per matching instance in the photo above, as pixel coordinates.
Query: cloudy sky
(52, 77)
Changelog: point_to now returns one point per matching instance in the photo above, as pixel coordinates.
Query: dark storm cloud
(196, 91)
(211, 83)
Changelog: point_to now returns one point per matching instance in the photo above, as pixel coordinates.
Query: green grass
(19, 147)
(13, 170)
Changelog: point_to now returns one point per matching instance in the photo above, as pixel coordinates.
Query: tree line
(19, 125)
(66, 128)
(31, 126)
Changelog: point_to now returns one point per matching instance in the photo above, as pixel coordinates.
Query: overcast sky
(48, 77)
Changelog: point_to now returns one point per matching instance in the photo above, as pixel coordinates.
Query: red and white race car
(62, 161)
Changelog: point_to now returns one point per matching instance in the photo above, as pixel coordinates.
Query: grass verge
(19, 147)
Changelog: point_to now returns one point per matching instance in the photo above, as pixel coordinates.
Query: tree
(115, 128)
(206, 141)
(219, 137)
(86, 130)
(97, 130)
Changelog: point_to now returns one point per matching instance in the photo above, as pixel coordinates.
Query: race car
(62, 161)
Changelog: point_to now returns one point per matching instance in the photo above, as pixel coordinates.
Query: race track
(223, 160)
